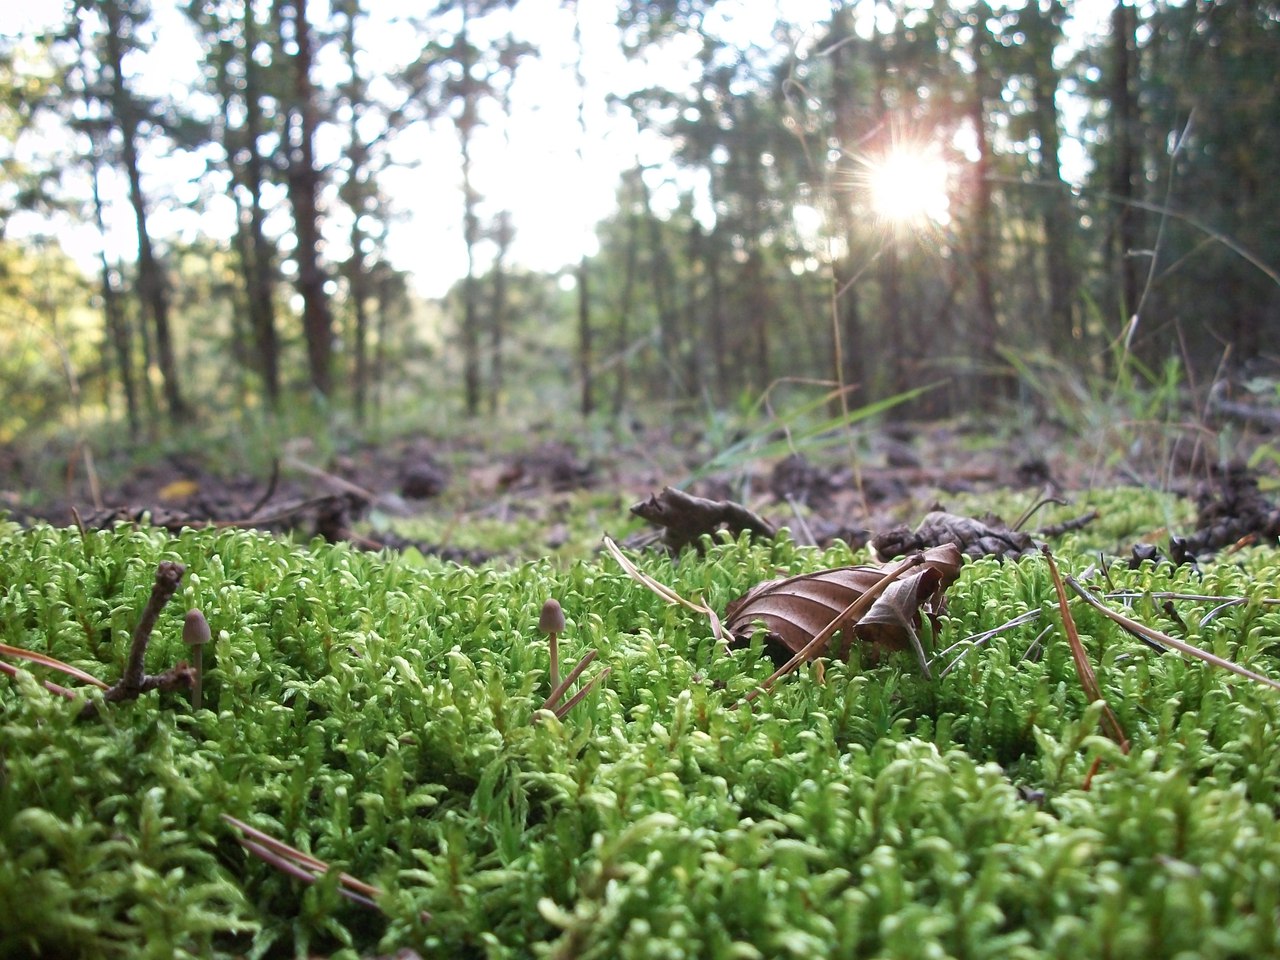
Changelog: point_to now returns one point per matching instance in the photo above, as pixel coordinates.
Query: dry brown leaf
(796, 609)
(975, 538)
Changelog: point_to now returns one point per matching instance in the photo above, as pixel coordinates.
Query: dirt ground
(852, 491)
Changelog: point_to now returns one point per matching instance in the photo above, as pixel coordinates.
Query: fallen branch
(1151, 635)
(1084, 669)
(303, 866)
(47, 661)
(135, 681)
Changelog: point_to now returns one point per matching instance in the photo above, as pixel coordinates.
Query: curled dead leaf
(794, 610)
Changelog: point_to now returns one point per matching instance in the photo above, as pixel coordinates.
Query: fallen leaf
(794, 610)
(178, 490)
(974, 537)
(685, 518)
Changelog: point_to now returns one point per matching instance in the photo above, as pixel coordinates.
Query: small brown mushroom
(195, 634)
(551, 622)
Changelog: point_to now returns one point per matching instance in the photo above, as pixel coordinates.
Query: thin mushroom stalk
(551, 622)
(195, 634)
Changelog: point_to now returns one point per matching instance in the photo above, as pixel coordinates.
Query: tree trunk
(982, 213)
(1056, 216)
(304, 189)
(588, 403)
(259, 262)
(498, 311)
(248, 171)
(703, 250)
(152, 281)
(758, 312)
(663, 280)
(627, 297)
(846, 319)
(1124, 168)
(116, 324)
(585, 358)
(470, 287)
(355, 193)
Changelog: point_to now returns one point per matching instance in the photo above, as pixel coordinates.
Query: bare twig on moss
(1153, 636)
(49, 685)
(136, 681)
(1088, 679)
(168, 576)
(1069, 525)
(303, 866)
(563, 710)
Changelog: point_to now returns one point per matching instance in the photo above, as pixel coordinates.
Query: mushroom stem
(197, 688)
(555, 660)
(195, 634)
(551, 622)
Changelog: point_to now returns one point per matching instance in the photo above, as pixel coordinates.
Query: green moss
(378, 713)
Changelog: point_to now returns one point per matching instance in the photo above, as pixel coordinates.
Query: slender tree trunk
(889, 273)
(470, 286)
(248, 168)
(117, 330)
(498, 310)
(384, 287)
(358, 284)
(585, 358)
(758, 311)
(846, 320)
(259, 261)
(152, 280)
(1124, 169)
(626, 300)
(663, 280)
(466, 125)
(703, 251)
(304, 189)
(982, 213)
(116, 323)
(1056, 215)
(588, 402)
(355, 194)
(896, 336)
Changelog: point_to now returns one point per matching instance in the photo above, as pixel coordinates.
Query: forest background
(880, 196)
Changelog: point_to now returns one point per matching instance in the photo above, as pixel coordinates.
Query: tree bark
(116, 324)
(585, 359)
(1124, 164)
(982, 211)
(248, 172)
(470, 286)
(355, 193)
(498, 319)
(846, 317)
(259, 266)
(304, 182)
(152, 280)
(1056, 215)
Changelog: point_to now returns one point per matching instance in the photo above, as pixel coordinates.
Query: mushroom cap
(195, 629)
(552, 618)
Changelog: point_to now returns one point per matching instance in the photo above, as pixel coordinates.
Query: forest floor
(519, 495)
(346, 681)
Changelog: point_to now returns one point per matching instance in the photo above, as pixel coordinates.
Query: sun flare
(908, 186)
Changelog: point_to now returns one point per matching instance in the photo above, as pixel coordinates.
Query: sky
(531, 166)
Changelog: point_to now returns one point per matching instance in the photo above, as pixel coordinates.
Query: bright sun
(908, 186)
